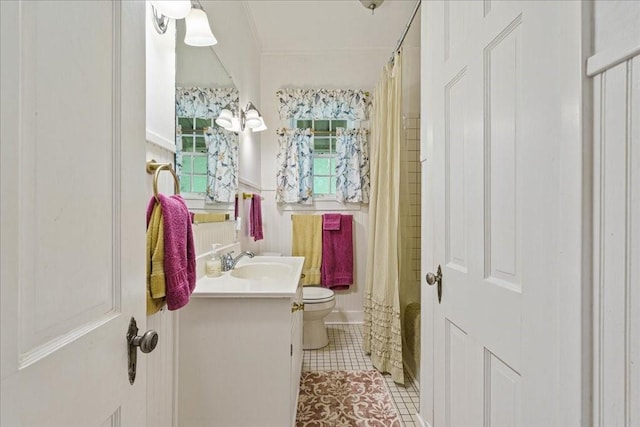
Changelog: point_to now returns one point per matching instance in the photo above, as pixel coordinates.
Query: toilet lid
(316, 294)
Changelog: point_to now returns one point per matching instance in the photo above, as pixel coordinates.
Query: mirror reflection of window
(193, 173)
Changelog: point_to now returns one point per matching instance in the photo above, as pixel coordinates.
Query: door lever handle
(436, 278)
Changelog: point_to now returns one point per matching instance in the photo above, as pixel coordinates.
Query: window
(324, 155)
(192, 155)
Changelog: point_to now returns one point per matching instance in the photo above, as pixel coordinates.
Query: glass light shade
(252, 119)
(260, 128)
(176, 9)
(225, 119)
(235, 125)
(198, 31)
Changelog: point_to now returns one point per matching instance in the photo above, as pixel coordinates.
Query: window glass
(185, 183)
(200, 165)
(324, 154)
(199, 184)
(201, 146)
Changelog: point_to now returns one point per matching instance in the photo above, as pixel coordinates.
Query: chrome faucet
(229, 262)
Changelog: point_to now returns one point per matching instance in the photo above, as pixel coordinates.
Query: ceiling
(294, 26)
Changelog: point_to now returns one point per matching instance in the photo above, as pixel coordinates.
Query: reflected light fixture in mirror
(198, 30)
(249, 118)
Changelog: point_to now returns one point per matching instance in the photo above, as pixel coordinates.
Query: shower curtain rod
(406, 29)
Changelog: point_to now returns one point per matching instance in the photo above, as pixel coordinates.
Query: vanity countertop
(282, 284)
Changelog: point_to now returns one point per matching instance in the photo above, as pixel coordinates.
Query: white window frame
(333, 155)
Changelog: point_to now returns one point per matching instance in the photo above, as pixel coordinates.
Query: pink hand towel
(179, 250)
(337, 254)
(255, 218)
(331, 221)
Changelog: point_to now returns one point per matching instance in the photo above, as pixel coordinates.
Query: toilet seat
(316, 295)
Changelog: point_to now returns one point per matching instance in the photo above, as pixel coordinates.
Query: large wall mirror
(206, 155)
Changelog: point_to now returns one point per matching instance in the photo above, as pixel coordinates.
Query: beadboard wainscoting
(616, 237)
(161, 361)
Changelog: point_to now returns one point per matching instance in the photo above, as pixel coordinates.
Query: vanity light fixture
(163, 10)
(198, 31)
(249, 118)
(372, 5)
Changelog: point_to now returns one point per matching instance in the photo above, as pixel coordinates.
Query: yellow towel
(156, 286)
(307, 242)
(199, 218)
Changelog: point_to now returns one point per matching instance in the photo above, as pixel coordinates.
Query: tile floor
(344, 352)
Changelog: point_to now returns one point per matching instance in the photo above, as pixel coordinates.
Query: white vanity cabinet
(240, 360)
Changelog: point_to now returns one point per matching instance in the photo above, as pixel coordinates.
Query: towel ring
(153, 166)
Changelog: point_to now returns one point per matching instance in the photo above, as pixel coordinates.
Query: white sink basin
(257, 277)
(262, 271)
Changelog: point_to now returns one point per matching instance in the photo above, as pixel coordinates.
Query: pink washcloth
(331, 221)
(337, 254)
(255, 218)
(179, 250)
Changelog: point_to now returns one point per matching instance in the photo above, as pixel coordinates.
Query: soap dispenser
(213, 266)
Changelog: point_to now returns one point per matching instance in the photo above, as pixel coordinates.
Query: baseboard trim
(345, 317)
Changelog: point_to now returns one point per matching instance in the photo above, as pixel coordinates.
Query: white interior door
(505, 187)
(73, 203)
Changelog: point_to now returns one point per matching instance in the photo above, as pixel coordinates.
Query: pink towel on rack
(179, 250)
(337, 254)
(255, 218)
(331, 221)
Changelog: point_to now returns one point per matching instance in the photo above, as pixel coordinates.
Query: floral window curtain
(222, 145)
(205, 102)
(222, 161)
(318, 104)
(295, 166)
(352, 166)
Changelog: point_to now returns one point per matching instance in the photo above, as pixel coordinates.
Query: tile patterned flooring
(344, 352)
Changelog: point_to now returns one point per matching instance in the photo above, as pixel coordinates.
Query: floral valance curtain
(222, 167)
(295, 166)
(205, 102)
(352, 166)
(317, 104)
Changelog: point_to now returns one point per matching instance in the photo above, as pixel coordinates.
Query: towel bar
(153, 166)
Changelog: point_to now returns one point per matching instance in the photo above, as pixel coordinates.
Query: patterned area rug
(345, 398)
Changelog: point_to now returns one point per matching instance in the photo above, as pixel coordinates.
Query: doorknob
(436, 278)
(147, 342)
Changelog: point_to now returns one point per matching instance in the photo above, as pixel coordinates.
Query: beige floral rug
(345, 398)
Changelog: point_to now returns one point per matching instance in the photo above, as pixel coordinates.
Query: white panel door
(73, 203)
(499, 81)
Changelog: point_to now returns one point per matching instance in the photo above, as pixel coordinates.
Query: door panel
(502, 109)
(72, 211)
(499, 82)
(456, 375)
(502, 393)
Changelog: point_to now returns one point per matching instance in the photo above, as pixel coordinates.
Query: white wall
(340, 70)
(161, 74)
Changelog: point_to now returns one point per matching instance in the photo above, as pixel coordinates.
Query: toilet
(318, 303)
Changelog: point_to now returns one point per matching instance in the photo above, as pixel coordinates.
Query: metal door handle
(146, 342)
(432, 279)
